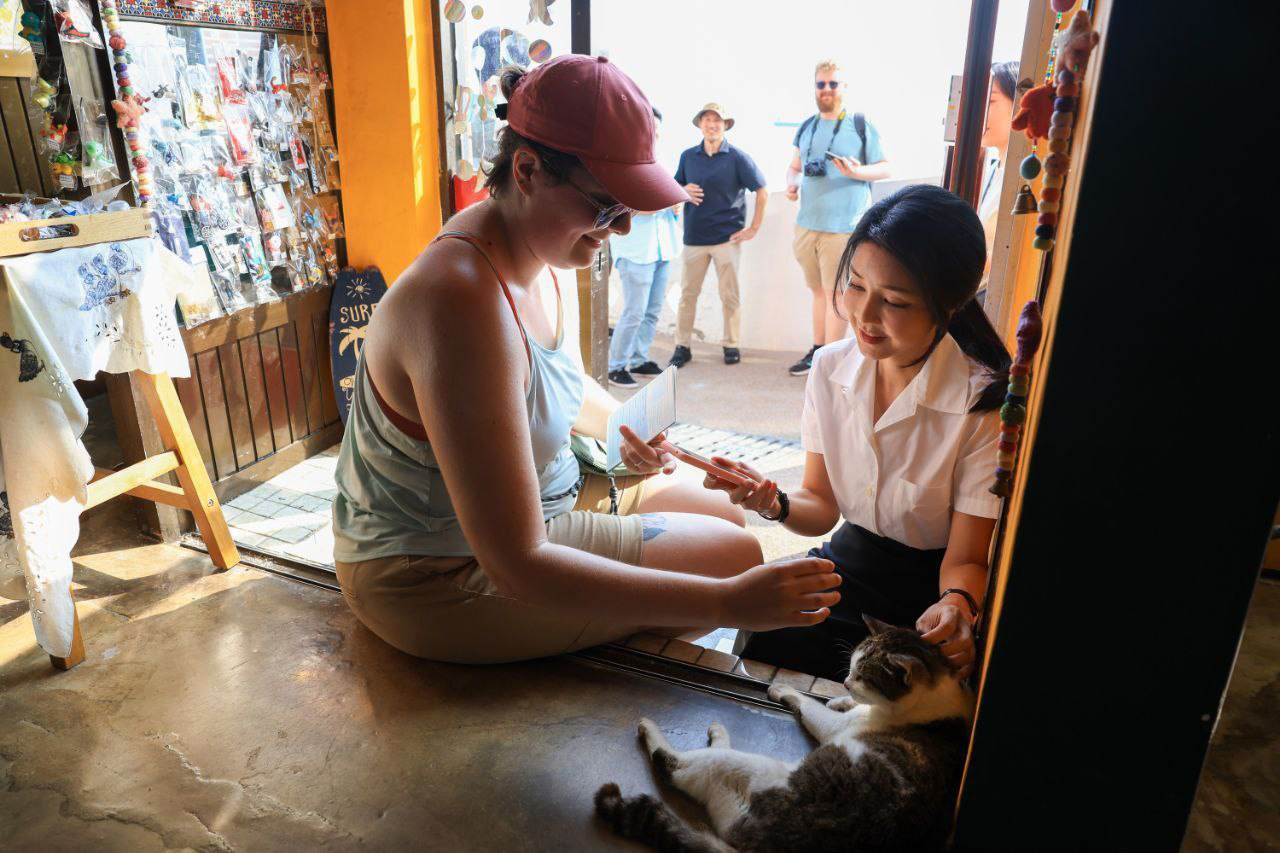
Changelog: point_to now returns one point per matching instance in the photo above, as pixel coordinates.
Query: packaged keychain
(240, 134)
(199, 302)
(229, 80)
(274, 247)
(225, 280)
(247, 215)
(210, 204)
(272, 70)
(314, 273)
(332, 216)
(205, 112)
(259, 272)
(273, 208)
(171, 230)
(75, 23)
(97, 156)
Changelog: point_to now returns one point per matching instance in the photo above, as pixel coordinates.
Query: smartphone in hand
(691, 458)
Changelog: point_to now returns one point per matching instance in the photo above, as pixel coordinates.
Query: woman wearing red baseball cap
(464, 529)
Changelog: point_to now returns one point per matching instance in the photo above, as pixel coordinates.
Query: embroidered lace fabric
(64, 316)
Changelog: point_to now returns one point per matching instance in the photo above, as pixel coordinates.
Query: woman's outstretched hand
(757, 498)
(946, 626)
(641, 458)
(781, 595)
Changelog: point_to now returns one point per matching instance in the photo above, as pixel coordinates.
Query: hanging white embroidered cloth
(66, 315)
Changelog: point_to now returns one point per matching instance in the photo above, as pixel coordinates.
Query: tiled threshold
(283, 526)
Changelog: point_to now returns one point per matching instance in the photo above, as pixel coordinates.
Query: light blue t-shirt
(653, 237)
(832, 202)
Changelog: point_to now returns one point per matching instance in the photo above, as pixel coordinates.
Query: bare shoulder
(444, 316)
(448, 291)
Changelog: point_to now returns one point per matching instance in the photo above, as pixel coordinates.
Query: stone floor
(244, 711)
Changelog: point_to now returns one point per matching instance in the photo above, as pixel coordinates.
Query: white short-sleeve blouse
(927, 456)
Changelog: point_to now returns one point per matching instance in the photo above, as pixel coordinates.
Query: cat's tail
(649, 820)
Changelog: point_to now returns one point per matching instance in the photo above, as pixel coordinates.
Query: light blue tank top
(392, 498)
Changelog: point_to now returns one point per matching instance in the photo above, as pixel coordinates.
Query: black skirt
(883, 578)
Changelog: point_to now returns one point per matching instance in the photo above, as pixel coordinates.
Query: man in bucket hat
(717, 176)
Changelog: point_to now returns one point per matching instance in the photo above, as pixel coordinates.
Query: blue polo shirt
(724, 179)
(832, 202)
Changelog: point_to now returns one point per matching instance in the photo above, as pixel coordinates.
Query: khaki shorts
(819, 255)
(447, 608)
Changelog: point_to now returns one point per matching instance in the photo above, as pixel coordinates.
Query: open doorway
(900, 66)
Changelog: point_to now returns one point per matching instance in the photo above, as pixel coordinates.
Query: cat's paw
(842, 703)
(788, 697)
(650, 734)
(717, 735)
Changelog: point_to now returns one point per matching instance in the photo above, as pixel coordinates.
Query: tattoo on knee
(654, 525)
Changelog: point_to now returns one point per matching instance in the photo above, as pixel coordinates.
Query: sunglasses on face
(822, 84)
(605, 215)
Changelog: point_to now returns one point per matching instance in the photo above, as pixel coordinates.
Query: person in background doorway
(643, 258)
(995, 138)
(837, 156)
(717, 177)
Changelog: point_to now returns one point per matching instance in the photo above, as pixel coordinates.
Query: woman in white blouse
(900, 427)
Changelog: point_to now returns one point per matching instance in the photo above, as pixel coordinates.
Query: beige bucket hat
(712, 106)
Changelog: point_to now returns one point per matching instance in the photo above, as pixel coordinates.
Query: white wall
(757, 58)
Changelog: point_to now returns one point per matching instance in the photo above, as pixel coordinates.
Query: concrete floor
(243, 711)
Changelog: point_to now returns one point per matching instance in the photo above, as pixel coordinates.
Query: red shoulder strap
(475, 244)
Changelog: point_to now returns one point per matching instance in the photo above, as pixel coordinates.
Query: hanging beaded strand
(1029, 169)
(1058, 161)
(1014, 411)
(128, 106)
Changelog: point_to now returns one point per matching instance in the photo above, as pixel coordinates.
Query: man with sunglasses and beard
(717, 177)
(837, 156)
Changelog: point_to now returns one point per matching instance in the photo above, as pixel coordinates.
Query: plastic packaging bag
(244, 150)
(229, 80)
(273, 244)
(75, 23)
(97, 155)
(273, 208)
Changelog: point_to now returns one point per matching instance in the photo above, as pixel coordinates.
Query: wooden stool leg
(175, 432)
(76, 654)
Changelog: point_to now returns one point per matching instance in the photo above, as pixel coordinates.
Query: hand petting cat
(946, 626)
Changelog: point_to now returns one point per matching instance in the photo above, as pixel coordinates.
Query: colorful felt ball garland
(1014, 411)
(1058, 161)
(129, 106)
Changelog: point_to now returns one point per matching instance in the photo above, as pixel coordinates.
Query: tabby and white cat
(884, 776)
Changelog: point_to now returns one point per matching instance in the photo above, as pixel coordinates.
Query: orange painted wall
(387, 104)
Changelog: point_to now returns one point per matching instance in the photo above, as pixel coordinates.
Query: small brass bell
(1026, 202)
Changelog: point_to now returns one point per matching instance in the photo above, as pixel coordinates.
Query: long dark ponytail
(938, 237)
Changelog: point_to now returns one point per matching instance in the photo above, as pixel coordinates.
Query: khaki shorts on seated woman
(464, 529)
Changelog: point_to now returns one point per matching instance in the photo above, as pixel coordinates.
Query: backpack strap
(808, 123)
(860, 125)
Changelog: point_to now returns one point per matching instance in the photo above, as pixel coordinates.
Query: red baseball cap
(584, 105)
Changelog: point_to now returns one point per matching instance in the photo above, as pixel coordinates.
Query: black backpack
(859, 124)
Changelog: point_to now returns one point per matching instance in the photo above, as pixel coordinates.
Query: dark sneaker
(801, 367)
(649, 368)
(680, 357)
(731, 355)
(622, 379)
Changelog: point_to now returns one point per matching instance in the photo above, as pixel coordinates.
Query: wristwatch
(785, 503)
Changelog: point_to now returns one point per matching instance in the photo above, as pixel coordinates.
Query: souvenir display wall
(236, 150)
(73, 118)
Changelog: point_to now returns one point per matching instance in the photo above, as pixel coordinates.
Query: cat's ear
(876, 626)
(913, 669)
